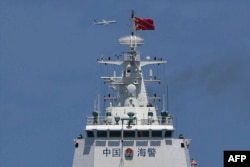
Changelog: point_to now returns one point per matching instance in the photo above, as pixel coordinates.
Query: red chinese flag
(144, 24)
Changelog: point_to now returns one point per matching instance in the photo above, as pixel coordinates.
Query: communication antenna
(167, 97)
(98, 103)
(165, 101)
(95, 109)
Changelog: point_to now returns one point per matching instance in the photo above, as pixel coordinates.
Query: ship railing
(104, 120)
(101, 120)
(159, 121)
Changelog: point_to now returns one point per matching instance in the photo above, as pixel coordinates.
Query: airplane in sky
(104, 22)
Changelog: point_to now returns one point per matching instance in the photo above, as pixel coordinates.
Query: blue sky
(49, 77)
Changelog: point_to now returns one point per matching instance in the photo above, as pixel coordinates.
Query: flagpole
(133, 22)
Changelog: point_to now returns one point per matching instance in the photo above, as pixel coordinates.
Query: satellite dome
(131, 88)
(131, 41)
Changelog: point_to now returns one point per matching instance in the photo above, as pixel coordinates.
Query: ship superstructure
(131, 132)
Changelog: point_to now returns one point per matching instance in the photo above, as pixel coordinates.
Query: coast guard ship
(131, 132)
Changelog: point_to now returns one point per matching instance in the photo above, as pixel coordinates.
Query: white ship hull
(148, 152)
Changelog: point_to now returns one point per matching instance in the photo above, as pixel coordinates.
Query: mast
(132, 22)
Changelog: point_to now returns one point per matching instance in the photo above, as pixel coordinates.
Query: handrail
(104, 120)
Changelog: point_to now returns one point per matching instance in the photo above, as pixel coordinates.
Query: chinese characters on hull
(141, 152)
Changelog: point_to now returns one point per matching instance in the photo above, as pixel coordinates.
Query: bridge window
(129, 134)
(157, 133)
(143, 133)
(90, 133)
(101, 133)
(168, 133)
(114, 133)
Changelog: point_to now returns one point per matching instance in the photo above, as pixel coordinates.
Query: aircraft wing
(112, 21)
(104, 22)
